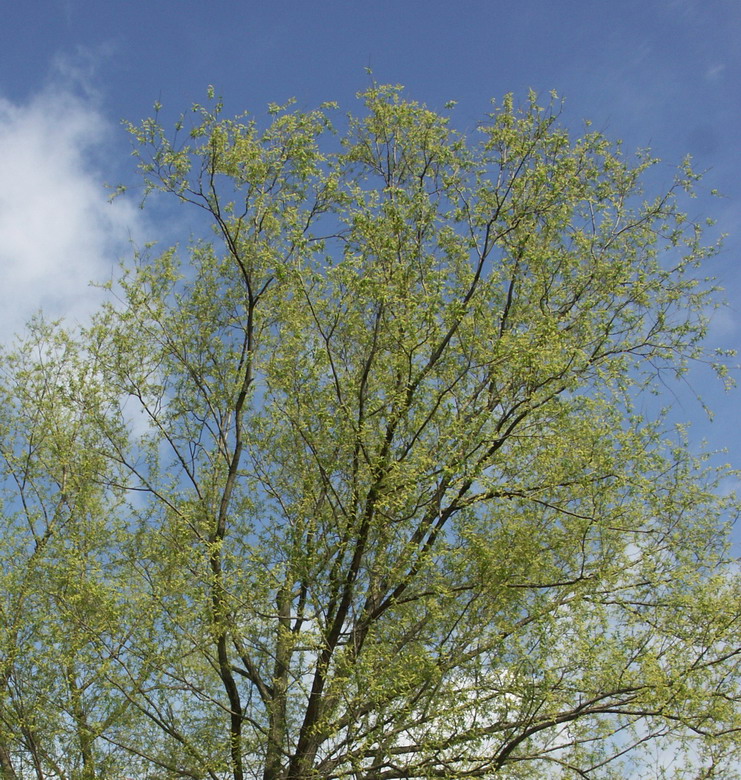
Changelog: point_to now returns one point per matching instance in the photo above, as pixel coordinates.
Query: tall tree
(361, 486)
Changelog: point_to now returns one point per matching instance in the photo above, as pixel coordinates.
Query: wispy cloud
(714, 72)
(57, 229)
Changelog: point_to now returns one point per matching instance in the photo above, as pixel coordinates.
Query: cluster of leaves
(359, 488)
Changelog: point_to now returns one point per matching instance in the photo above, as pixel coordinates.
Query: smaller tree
(58, 581)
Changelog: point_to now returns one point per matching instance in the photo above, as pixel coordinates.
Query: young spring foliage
(360, 487)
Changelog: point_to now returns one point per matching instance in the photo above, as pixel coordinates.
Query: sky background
(658, 73)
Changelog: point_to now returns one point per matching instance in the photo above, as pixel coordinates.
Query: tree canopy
(361, 485)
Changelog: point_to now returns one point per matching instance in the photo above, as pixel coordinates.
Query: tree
(361, 486)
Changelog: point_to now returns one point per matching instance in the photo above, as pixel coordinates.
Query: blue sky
(659, 73)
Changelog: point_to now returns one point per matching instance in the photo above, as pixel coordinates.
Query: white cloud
(57, 229)
(714, 72)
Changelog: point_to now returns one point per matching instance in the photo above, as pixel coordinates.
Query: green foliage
(360, 487)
